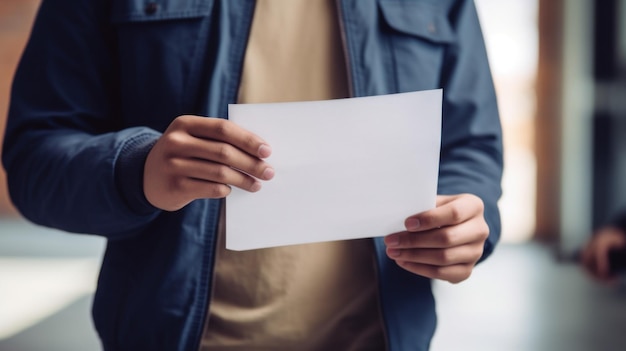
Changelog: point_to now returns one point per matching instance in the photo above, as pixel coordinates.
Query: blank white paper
(344, 169)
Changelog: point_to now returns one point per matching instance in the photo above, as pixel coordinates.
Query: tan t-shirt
(320, 296)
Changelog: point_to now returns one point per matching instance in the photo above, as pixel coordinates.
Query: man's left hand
(443, 243)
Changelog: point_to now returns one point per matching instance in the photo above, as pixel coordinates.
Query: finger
(184, 190)
(229, 155)
(216, 173)
(466, 254)
(451, 212)
(203, 189)
(465, 233)
(228, 132)
(453, 274)
(444, 199)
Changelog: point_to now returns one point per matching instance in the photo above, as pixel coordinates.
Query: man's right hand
(199, 157)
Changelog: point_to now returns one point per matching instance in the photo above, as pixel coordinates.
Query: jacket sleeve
(69, 165)
(471, 154)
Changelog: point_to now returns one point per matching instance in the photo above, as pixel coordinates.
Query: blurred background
(560, 72)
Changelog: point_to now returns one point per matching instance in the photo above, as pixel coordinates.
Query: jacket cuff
(129, 168)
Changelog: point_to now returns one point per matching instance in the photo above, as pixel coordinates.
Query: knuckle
(484, 232)
(480, 203)
(457, 280)
(171, 164)
(426, 220)
(221, 128)
(479, 253)
(445, 256)
(177, 184)
(456, 274)
(438, 272)
(181, 122)
(219, 191)
(177, 123)
(456, 213)
(224, 152)
(250, 184)
(447, 237)
(476, 201)
(173, 141)
(250, 141)
(178, 140)
(220, 172)
(464, 275)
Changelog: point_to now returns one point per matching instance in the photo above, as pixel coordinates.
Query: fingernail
(268, 173)
(392, 240)
(265, 151)
(255, 187)
(412, 224)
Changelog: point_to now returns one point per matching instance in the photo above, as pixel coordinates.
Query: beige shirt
(320, 296)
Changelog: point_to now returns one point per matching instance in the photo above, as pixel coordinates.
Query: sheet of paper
(344, 169)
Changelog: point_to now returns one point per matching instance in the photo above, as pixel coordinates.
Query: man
(105, 137)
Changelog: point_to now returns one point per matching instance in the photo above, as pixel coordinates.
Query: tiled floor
(519, 300)
(47, 279)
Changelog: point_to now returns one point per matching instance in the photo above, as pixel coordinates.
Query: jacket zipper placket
(198, 342)
(381, 316)
(344, 45)
(351, 92)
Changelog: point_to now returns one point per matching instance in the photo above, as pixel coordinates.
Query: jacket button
(431, 28)
(151, 8)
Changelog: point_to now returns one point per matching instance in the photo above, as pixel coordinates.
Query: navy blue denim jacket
(100, 80)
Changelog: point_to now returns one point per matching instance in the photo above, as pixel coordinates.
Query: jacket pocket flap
(158, 10)
(427, 21)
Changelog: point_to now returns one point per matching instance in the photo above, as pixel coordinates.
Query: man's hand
(442, 243)
(595, 255)
(199, 157)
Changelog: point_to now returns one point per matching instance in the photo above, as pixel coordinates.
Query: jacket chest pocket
(158, 10)
(419, 34)
(158, 44)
